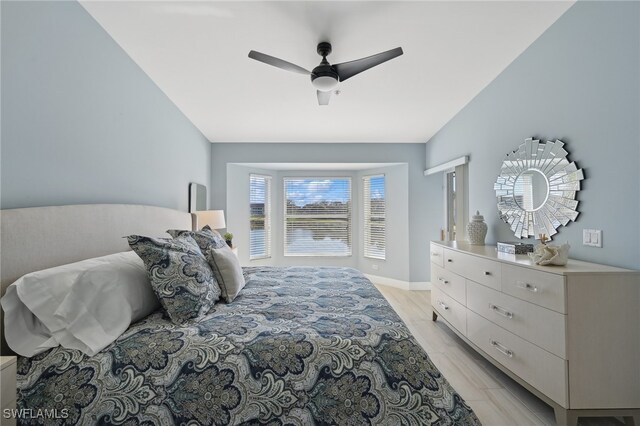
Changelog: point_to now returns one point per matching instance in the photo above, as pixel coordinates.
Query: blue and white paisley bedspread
(299, 346)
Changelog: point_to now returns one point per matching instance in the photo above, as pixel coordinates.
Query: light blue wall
(412, 154)
(82, 123)
(580, 83)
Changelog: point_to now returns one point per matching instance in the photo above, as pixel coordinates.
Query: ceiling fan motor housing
(324, 49)
(324, 77)
(324, 71)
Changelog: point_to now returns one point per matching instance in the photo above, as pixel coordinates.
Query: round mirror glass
(531, 190)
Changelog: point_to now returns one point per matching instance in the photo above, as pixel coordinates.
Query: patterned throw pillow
(179, 275)
(206, 238)
(228, 272)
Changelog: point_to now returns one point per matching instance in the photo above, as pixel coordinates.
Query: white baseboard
(404, 285)
(420, 286)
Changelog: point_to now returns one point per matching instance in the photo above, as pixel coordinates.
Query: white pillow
(30, 304)
(227, 270)
(105, 300)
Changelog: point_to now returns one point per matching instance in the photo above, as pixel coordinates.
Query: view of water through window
(317, 220)
(317, 216)
(299, 241)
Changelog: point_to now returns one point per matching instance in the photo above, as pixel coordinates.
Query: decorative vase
(477, 229)
(229, 243)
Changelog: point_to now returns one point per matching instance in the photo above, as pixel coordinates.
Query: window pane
(260, 216)
(317, 216)
(452, 209)
(374, 202)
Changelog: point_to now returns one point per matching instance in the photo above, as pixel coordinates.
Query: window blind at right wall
(260, 217)
(375, 225)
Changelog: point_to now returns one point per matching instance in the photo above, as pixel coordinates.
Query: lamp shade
(213, 218)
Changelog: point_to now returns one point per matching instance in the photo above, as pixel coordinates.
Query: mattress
(299, 346)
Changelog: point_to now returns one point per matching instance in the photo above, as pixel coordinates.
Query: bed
(299, 346)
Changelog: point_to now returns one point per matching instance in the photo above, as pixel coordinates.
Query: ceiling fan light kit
(325, 77)
(324, 83)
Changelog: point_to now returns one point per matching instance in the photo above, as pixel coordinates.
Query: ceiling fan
(325, 77)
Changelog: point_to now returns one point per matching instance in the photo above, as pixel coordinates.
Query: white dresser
(570, 334)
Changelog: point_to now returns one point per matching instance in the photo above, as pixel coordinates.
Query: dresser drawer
(537, 287)
(436, 254)
(449, 309)
(452, 284)
(539, 368)
(538, 325)
(478, 269)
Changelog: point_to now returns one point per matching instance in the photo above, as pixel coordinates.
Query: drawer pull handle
(449, 260)
(501, 348)
(434, 254)
(501, 311)
(442, 280)
(532, 288)
(487, 273)
(443, 306)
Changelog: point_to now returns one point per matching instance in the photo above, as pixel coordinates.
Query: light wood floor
(495, 398)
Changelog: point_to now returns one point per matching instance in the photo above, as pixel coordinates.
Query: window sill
(319, 255)
(383, 259)
(259, 258)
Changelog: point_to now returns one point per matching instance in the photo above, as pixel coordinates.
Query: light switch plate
(592, 237)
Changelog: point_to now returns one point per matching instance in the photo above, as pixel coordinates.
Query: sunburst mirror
(537, 189)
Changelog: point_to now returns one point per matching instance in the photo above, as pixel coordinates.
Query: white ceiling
(196, 52)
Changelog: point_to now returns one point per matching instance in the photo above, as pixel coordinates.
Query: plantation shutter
(373, 190)
(260, 216)
(317, 216)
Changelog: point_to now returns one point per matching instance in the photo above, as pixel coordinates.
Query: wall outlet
(592, 237)
(374, 267)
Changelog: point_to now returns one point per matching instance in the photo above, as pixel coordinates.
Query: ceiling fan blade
(348, 69)
(270, 60)
(323, 97)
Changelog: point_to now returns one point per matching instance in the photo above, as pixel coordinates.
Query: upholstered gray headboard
(37, 238)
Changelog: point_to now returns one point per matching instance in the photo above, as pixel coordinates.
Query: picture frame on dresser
(568, 334)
